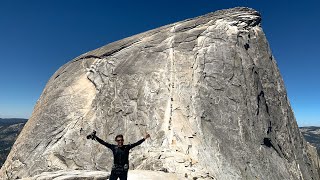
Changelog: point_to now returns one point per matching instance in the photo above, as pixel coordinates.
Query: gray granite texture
(207, 89)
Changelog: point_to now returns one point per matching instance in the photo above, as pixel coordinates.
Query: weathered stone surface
(207, 89)
(101, 175)
(71, 175)
(314, 155)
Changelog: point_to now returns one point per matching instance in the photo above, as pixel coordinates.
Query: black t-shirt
(120, 154)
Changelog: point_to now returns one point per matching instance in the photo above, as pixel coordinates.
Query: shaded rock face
(312, 136)
(207, 89)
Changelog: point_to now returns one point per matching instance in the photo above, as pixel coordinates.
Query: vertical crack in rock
(171, 86)
(259, 101)
(172, 80)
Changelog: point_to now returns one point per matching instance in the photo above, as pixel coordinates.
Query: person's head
(119, 139)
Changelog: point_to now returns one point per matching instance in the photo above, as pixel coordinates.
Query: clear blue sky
(39, 36)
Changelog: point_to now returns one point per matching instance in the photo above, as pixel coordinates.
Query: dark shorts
(115, 174)
(119, 171)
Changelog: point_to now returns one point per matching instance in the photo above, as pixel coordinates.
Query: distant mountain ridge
(9, 131)
(11, 121)
(312, 135)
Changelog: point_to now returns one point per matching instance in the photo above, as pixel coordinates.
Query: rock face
(207, 89)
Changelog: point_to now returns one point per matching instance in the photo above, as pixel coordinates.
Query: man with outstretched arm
(120, 154)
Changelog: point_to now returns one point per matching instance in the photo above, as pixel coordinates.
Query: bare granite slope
(207, 89)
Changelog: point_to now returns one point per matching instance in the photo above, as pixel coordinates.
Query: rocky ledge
(101, 175)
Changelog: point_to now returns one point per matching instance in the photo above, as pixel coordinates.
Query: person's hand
(92, 135)
(147, 136)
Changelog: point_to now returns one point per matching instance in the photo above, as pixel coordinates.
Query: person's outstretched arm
(140, 141)
(94, 137)
(110, 146)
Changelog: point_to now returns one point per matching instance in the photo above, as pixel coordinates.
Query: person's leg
(124, 175)
(114, 175)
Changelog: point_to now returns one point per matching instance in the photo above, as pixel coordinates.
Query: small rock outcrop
(207, 89)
